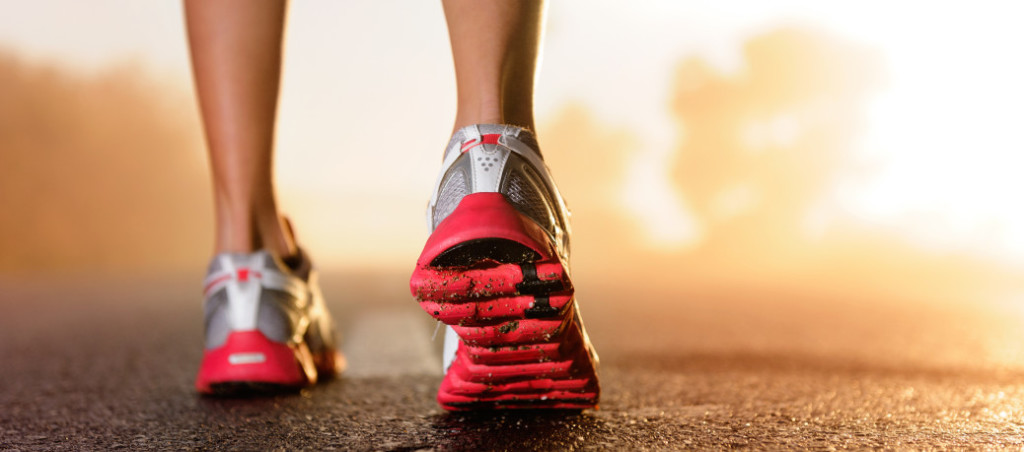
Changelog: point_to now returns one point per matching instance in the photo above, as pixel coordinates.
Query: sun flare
(943, 138)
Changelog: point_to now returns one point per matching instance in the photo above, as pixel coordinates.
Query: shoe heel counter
(485, 216)
(479, 169)
(234, 306)
(233, 298)
(487, 166)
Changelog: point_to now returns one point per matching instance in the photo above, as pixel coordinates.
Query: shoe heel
(555, 373)
(485, 226)
(249, 362)
(492, 274)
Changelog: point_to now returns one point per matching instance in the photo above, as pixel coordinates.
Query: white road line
(387, 343)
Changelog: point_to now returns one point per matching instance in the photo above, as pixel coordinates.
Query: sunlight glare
(944, 138)
(651, 198)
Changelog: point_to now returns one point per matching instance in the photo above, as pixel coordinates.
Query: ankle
(494, 113)
(254, 234)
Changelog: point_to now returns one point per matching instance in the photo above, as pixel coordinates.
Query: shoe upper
(503, 159)
(257, 291)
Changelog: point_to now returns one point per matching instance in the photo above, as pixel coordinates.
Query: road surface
(95, 364)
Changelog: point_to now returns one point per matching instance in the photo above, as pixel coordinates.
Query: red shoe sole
(491, 273)
(248, 362)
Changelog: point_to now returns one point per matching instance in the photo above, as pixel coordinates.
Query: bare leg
(495, 46)
(486, 232)
(236, 58)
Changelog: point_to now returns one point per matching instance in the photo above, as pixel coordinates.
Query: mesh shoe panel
(276, 316)
(455, 188)
(522, 192)
(217, 324)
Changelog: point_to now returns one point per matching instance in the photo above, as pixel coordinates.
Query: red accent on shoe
(256, 360)
(491, 309)
(563, 378)
(451, 285)
(218, 280)
(490, 138)
(513, 353)
(506, 357)
(484, 215)
(525, 331)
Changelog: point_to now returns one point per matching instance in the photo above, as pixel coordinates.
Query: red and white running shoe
(267, 328)
(495, 269)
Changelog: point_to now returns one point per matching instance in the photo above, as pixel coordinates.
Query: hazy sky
(369, 96)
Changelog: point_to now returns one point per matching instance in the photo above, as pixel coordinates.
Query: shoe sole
(508, 297)
(250, 364)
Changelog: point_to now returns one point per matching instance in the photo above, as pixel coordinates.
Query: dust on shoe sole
(521, 347)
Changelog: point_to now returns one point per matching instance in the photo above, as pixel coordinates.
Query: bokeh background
(863, 151)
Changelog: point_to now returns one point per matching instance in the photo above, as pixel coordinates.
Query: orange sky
(369, 96)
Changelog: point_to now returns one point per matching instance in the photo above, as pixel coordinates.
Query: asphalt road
(92, 364)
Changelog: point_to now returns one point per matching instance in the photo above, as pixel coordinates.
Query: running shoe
(267, 328)
(495, 270)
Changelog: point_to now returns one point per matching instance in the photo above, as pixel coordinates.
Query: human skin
(236, 60)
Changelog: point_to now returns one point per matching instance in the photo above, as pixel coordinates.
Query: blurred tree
(760, 147)
(98, 172)
(589, 160)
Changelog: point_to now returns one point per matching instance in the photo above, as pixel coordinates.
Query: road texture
(94, 364)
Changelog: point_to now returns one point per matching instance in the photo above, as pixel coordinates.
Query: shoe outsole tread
(522, 346)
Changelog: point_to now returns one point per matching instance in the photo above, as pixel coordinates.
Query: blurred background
(862, 151)
(797, 223)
